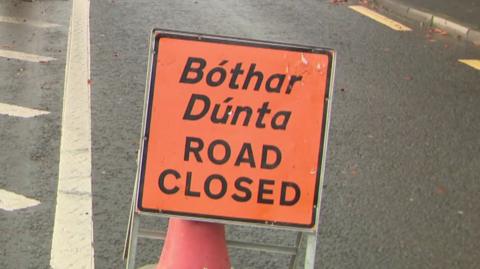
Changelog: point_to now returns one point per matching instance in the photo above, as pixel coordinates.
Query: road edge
(429, 19)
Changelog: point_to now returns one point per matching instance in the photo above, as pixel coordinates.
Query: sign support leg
(128, 237)
(310, 250)
(294, 258)
(132, 248)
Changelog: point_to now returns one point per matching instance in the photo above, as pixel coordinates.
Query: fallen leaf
(336, 2)
(354, 170)
(363, 2)
(440, 190)
(429, 37)
(408, 77)
(439, 31)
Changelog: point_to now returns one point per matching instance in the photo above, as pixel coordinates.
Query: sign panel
(234, 129)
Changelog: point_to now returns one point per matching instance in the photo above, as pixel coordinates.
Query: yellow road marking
(380, 18)
(471, 62)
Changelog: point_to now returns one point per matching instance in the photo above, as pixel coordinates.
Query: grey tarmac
(402, 182)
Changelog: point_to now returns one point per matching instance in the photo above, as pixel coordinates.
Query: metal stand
(309, 236)
(134, 232)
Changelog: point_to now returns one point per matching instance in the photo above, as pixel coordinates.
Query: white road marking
(72, 242)
(11, 54)
(11, 201)
(34, 23)
(380, 18)
(18, 111)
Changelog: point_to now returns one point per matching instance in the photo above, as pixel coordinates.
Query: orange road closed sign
(235, 130)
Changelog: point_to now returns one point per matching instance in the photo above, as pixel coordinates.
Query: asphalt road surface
(29, 146)
(402, 185)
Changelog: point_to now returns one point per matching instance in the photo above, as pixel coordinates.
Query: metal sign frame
(308, 233)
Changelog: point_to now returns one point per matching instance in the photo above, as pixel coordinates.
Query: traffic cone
(193, 244)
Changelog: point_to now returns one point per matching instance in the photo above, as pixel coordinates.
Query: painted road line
(34, 23)
(19, 111)
(380, 18)
(72, 241)
(11, 201)
(11, 54)
(471, 62)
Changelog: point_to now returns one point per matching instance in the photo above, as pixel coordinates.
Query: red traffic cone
(193, 244)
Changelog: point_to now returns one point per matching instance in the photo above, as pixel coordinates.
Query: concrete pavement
(458, 18)
(466, 12)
